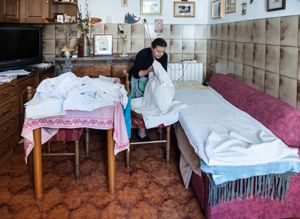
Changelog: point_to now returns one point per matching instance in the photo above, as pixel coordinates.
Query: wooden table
(103, 118)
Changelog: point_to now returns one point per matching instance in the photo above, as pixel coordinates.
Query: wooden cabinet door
(35, 11)
(10, 11)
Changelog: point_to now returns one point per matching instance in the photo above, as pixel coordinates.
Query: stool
(138, 122)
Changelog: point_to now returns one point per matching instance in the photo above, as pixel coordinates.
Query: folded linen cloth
(94, 94)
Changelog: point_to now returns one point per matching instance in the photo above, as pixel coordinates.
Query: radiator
(186, 71)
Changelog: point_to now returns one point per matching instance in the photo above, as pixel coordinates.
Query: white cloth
(223, 135)
(109, 79)
(137, 105)
(42, 106)
(159, 91)
(168, 118)
(157, 105)
(68, 92)
(59, 86)
(49, 97)
(94, 94)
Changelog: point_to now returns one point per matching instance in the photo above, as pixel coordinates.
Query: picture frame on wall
(184, 9)
(230, 6)
(60, 18)
(217, 9)
(151, 7)
(102, 44)
(124, 3)
(274, 5)
(158, 25)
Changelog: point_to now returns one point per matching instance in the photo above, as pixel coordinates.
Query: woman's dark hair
(158, 42)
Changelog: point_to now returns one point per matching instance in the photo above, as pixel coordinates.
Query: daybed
(256, 197)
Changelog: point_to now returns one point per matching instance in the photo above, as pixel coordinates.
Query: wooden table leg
(111, 162)
(37, 164)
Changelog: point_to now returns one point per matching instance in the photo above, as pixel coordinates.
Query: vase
(84, 46)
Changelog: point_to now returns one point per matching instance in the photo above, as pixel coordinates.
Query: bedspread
(222, 135)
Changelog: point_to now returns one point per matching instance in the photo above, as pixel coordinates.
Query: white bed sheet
(209, 120)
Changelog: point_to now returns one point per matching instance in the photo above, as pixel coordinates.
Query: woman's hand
(143, 73)
(150, 69)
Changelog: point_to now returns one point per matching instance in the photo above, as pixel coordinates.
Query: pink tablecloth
(102, 118)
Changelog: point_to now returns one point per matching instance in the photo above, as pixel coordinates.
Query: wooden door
(35, 11)
(10, 11)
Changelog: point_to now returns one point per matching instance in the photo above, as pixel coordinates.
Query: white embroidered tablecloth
(102, 118)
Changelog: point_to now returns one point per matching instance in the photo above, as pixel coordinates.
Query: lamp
(123, 40)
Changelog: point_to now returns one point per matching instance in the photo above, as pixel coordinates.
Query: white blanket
(223, 135)
(157, 105)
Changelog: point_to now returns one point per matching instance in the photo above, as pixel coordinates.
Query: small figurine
(244, 8)
(131, 19)
(66, 52)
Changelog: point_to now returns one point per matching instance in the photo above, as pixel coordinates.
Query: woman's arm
(143, 63)
(164, 61)
(143, 73)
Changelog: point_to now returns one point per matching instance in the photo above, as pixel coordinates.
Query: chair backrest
(29, 92)
(124, 78)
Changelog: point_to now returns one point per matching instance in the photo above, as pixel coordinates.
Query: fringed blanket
(273, 186)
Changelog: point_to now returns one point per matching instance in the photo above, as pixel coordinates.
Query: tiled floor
(151, 189)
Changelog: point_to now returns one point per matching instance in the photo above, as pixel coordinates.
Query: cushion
(279, 117)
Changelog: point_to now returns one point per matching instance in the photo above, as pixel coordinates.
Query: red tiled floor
(151, 189)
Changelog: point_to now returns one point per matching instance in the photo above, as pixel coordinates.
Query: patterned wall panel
(259, 31)
(289, 31)
(273, 31)
(264, 53)
(272, 58)
(184, 41)
(248, 54)
(288, 90)
(272, 84)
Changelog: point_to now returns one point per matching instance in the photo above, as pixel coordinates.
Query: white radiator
(186, 71)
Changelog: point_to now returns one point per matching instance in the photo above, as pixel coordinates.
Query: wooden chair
(66, 135)
(138, 122)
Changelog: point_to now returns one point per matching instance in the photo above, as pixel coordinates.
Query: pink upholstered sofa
(284, 121)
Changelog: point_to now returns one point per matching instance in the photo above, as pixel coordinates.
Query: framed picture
(216, 9)
(273, 5)
(151, 7)
(158, 25)
(124, 3)
(230, 6)
(60, 18)
(184, 9)
(102, 44)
